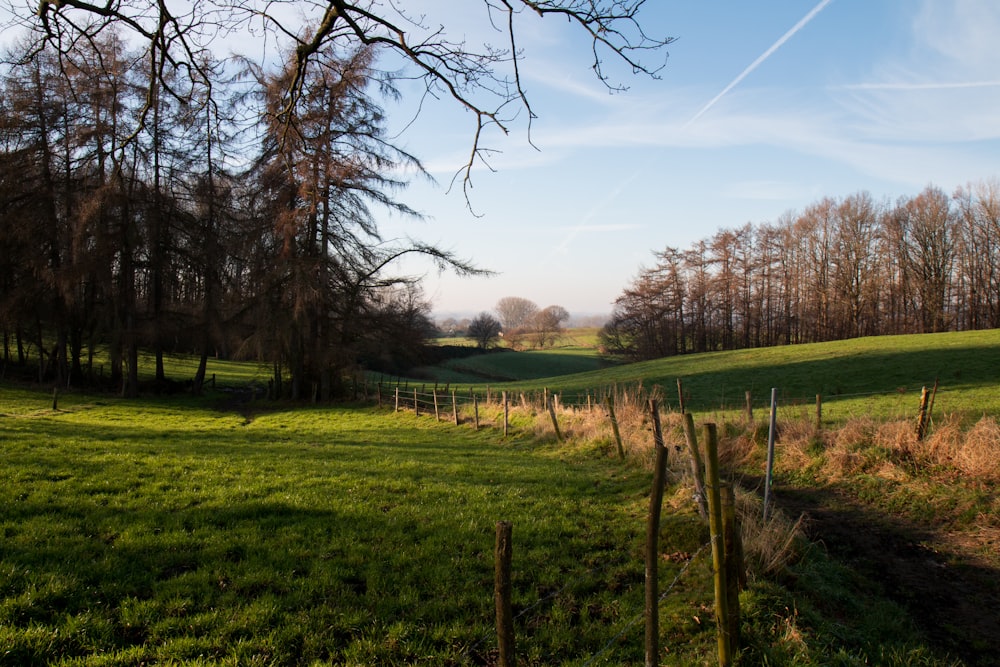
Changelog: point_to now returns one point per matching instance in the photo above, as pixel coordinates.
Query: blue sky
(762, 109)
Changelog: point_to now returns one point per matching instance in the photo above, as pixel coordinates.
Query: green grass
(152, 531)
(879, 376)
(178, 531)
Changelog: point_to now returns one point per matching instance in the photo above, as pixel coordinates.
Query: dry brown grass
(978, 454)
(768, 545)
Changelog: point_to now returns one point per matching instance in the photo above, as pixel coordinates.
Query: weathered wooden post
(555, 422)
(922, 418)
(506, 414)
(680, 395)
(718, 546)
(697, 466)
(475, 407)
(819, 411)
(749, 408)
(437, 413)
(454, 406)
(652, 608)
(397, 399)
(771, 434)
(416, 402)
(502, 594)
(735, 573)
(614, 426)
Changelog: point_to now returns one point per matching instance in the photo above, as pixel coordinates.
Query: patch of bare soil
(949, 583)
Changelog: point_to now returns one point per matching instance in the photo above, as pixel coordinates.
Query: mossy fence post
(652, 609)
(502, 594)
(614, 426)
(922, 416)
(697, 465)
(714, 484)
(735, 571)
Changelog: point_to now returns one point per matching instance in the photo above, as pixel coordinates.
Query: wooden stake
(614, 426)
(555, 422)
(652, 609)
(735, 572)
(697, 466)
(502, 594)
(718, 546)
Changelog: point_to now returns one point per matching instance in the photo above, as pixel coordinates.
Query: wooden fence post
(735, 572)
(749, 400)
(718, 545)
(416, 402)
(502, 594)
(614, 426)
(454, 406)
(506, 414)
(555, 422)
(922, 418)
(680, 395)
(475, 407)
(437, 413)
(771, 435)
(397, 399)
(819, 411)
(652, 609)
(697, 466)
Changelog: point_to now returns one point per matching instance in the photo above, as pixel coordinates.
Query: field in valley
(220, 530)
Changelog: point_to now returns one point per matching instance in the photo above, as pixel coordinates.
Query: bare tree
(548, 325)
(515, 312)
(484, 329)
(485, 79)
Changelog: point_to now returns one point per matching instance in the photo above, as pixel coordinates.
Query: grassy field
(879, 376)
(140, 532)
(206, 531)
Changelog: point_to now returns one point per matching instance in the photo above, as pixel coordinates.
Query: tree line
(839, 269)
(131, 218)
(155, 196)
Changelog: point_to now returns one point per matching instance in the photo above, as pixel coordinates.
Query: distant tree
(548, 325)
(515, 312)
(484, 329)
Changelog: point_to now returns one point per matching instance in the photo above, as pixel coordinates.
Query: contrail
(764, 56)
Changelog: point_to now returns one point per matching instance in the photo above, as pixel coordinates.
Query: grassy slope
(879, 375)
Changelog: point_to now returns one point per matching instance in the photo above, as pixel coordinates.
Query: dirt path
(951, 589)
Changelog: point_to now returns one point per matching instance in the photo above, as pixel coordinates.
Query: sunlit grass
(146, 531)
